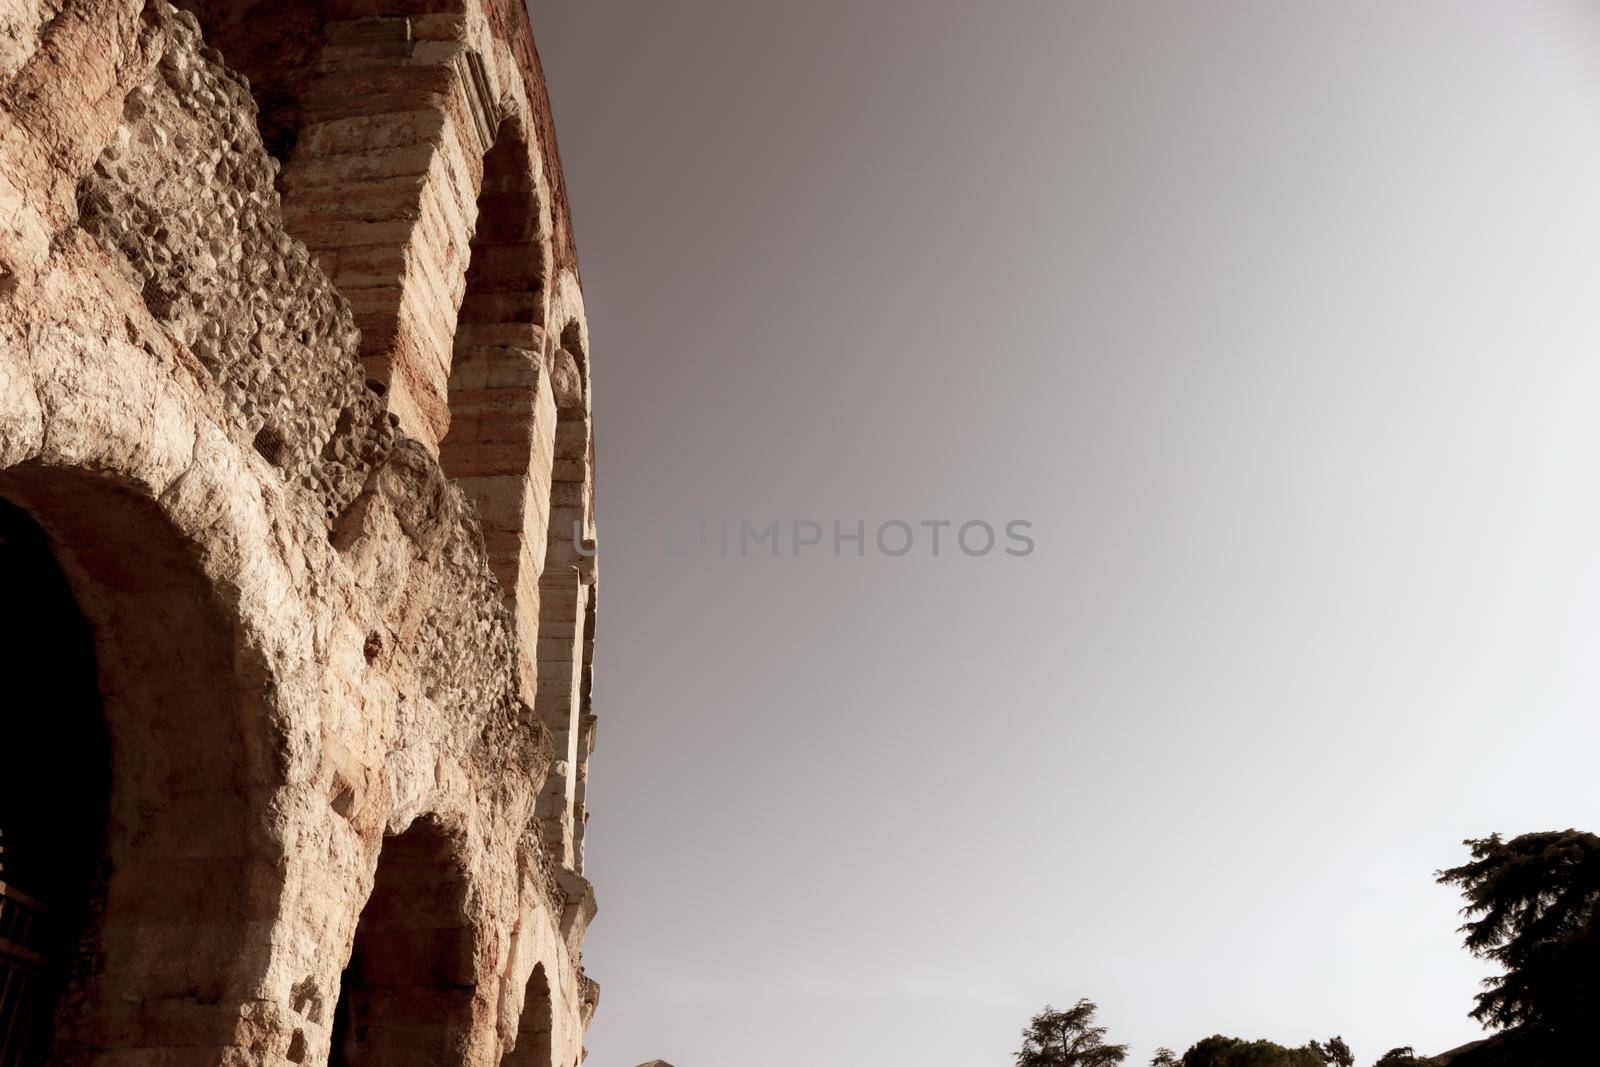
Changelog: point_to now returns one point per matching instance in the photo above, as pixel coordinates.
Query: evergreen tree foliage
(1068, 1038)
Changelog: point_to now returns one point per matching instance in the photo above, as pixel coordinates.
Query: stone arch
(164, 954)
(382, 186)
(509, 266)
(279, 48)
(407, 995)
(536, 1028)
(500, 441)
(382, 112)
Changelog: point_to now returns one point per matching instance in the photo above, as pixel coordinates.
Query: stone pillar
(500, 448)
(562, 602)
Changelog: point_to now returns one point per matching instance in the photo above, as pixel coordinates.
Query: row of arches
(412, 169)
(140, 889)
(128, 870)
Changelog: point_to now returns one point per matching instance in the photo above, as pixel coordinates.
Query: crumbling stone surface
(185, 194)
(328, 663)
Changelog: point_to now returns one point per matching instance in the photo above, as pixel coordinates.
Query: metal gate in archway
(24, 977)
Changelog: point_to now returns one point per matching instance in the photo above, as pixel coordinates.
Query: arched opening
(569, 474)
(135, 819)
(504, 302)
(54, 792)
(279, 48)
(406, 995)
(501, 408)
(535, 1030)
(381, 181)
(381, 112)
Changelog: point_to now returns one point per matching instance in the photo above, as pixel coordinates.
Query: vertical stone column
(580, 794)
(565, 592)
(500, 448)
(563, 599)
(586, 726)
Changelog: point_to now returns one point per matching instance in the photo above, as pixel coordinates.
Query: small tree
(1404, 1056)
(1220, 1051)
(1533, 907)
(1165, 1057)
(1068, 1039)
(1335, 1053)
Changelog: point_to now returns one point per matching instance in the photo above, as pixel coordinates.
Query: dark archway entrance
(189, 862)
(54, 793)
(406, 996)
(533, 1048)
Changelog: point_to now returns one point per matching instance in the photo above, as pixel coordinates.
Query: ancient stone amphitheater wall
(294, 391)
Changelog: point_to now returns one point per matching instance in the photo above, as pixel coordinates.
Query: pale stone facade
(296, 494)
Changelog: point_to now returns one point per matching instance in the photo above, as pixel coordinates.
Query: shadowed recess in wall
(54, 792)
(406, 996)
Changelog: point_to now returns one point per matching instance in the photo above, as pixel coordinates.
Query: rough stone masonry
(296, 497)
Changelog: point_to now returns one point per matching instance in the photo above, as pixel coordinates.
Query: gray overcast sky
(1277, 320)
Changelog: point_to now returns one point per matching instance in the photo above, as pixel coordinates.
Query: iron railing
(23, 979)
